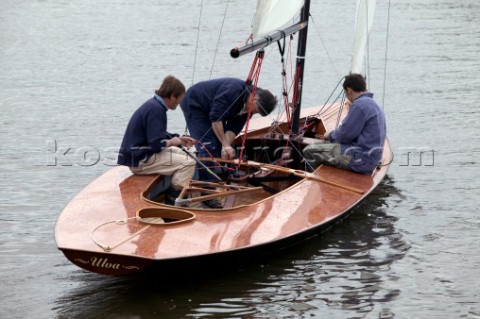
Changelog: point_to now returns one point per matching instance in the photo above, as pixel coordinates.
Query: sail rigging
(273, 21)
(261, 43)
(269, 16)
(273, 15)
(364, 22)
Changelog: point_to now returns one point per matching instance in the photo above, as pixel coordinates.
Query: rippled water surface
(72, 72)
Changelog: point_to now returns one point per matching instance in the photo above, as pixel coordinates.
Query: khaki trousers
(171, 161)
(325, 153)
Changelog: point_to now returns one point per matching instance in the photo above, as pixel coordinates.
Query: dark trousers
(200, 128)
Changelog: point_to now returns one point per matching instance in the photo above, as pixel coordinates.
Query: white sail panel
(365, 13)
(272, 15)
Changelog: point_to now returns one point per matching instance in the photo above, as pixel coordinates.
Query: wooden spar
(298, 173)
(184, 189)
(216, 185)
(215, 194)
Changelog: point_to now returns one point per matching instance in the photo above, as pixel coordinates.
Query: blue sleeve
(156, 123)
(237, 125)
(222, 104)
(351, 127)
(172, 135)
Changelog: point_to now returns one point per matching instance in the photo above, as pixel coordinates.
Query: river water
(72, 72)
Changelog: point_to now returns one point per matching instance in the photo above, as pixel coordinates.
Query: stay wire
(324, 46)
(330, 96)
(196, 54)
(386, 55)
(218, 40)
(367, 51)
(196, 44)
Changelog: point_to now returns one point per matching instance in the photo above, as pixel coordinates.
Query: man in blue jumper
(147, 147)
(358, 143)
(216, 111)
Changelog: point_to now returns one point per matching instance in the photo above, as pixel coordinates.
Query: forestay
(272, 15)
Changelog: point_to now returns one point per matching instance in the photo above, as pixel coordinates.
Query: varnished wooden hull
(87, 235)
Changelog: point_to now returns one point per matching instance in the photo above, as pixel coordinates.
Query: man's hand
(184, 140)
(188, 141)
(174, 141)
(228, 152)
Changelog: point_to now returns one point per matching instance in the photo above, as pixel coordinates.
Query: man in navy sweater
(216, 111)
(147, 146)
(358, 143)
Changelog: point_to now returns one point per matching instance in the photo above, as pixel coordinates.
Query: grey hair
(266, 101)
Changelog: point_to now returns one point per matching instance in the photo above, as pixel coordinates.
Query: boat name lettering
(103, 263)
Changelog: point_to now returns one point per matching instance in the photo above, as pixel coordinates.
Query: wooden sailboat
(119, 225)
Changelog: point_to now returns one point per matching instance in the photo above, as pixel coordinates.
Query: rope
(340, 111)
(118, 222)
(285, 89)
(253, 77)
(295, 89)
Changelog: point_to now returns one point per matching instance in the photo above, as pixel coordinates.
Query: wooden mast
(300, 66)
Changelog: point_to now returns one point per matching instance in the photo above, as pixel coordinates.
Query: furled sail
(365, 13)
(272, 15)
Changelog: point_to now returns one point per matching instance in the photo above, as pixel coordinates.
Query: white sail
(365, 13)
(272, 15)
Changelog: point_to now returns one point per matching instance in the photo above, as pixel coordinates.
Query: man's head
(265, 101)
(354, 85)
(171, 91)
